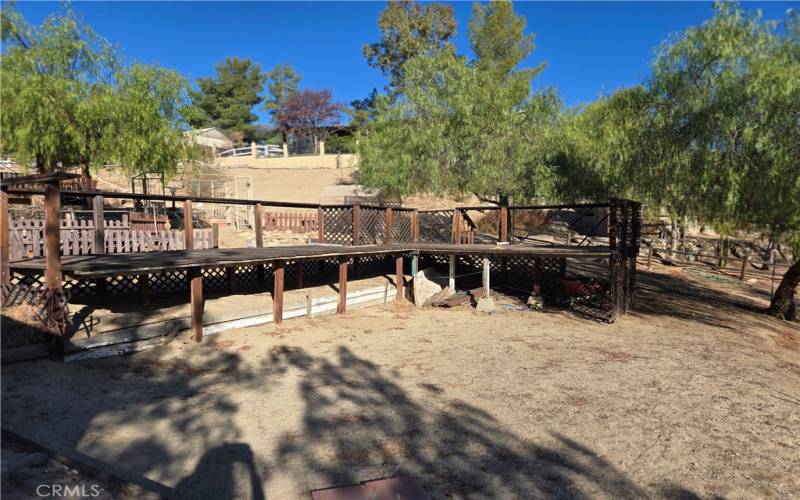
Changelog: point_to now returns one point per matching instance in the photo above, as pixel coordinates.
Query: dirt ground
(694, 394)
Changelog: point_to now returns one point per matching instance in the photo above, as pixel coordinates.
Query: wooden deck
(88, 266)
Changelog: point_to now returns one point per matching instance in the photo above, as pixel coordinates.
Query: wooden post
(398, 277)
(258, 225)
(503, 223)
(342, 286)
(144, 289)
(197, 303)
(389, 223)
(415, 226)
(456, 230)
(188, 226)
(537, 276)
(277, 292)
(320, 225)
(486, 272)
(99, 226)
(230, 274)
(451, 281)
(414, 266)
(5, 258)
(52, 222)
(298, 271)
(215, 235)
(649, 255)
(356, 225)
(744, 267)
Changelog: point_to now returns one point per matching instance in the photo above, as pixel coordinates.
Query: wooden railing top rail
(199, 199)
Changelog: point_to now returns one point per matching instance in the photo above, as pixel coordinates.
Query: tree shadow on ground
(358, 420)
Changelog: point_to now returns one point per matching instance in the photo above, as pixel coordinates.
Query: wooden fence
(295, 222)
(77, 238)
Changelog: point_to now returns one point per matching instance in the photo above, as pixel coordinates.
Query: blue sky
(591, 48)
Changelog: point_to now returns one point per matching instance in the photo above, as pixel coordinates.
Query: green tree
(67, 99)
(712, 135)
(227, 100)
(457, 133)
(409, 29)
(498, 38)
(282, 83)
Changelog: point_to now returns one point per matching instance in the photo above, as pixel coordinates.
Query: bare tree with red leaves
(308, 112)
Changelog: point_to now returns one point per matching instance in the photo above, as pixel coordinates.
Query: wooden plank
(196, 299)
(278, 276)
(5, 257)
(342, 286)
(52, 215)
(98, 217)
(215, 235)
(398, 277)
(415, 226)
(258, 225)
(188, 226)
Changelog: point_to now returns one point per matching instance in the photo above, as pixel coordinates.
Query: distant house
(210, 137)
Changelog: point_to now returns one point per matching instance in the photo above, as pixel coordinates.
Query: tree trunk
(86, 176)
(782, 305)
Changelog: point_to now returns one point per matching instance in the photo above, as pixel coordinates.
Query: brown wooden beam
(278, 276)
(99, 220)
(230, 274)
(52, 223)
(259, 227)
(144, 289)
(197, 303)
(456, 229)
(5, 224)
(414, 226)
(188, 226)
(389, 224)
(320, 225)
(398, 278)
(342, 286)
(503, 224)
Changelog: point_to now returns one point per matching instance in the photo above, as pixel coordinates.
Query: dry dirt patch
(694, 393)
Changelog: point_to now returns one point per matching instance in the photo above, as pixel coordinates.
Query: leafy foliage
(498, 38)
(409, 29)
(227, 100)
(68, 99)
(282, 83)
(307, 113)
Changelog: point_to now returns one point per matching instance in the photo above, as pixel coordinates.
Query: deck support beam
(486, 273)
(5, 258)
(278, 276)
(52, 229)
(195, 275)
(230, 274)
(342, 286)
(144, 288)
(98, 217)
(398, 277)
(451, 280)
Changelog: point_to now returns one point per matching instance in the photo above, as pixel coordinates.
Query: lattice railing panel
(373, 226)
(338, 225)
(401, 226)
(435, 227)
